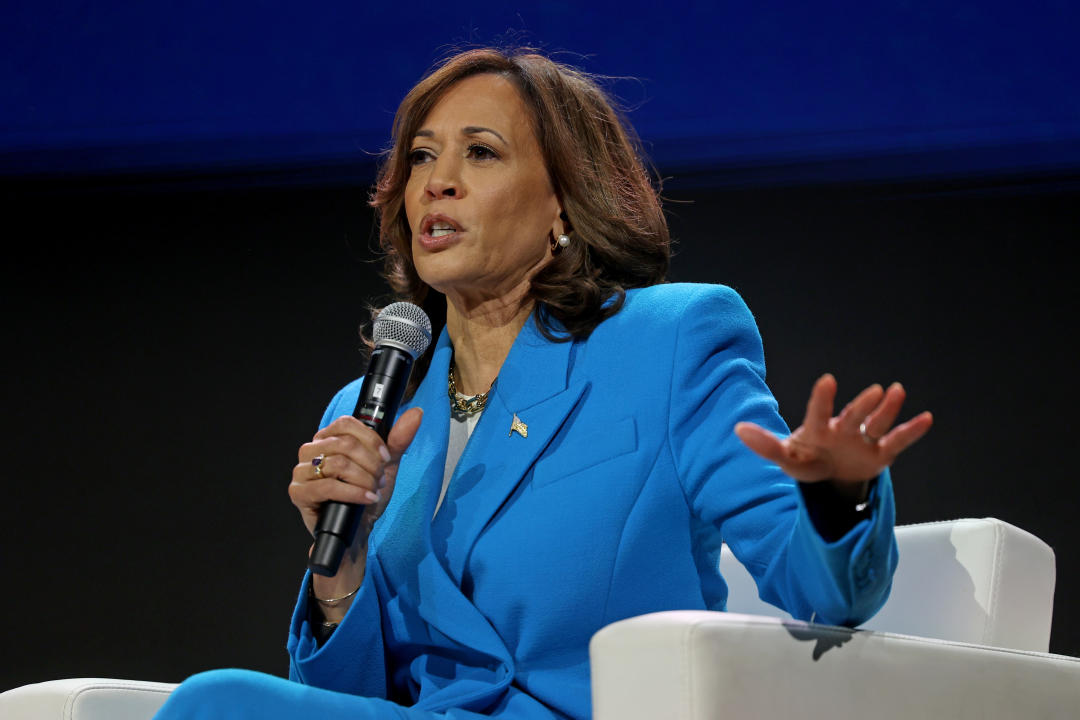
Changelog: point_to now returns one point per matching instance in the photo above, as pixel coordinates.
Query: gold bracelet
(331, 602)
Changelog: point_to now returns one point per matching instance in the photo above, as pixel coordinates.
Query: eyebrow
(468, 130)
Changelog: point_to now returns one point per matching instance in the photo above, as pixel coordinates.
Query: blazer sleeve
(718, 379)
(352, 660)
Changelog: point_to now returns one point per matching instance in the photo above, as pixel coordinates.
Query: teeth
(439, 232)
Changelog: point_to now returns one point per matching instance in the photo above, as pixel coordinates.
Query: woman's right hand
(357, 467)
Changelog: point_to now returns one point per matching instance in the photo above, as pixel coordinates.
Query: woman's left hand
(849, 449)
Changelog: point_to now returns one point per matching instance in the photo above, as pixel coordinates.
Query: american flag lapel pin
(518, 427)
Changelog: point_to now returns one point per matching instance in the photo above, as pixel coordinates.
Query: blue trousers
(248, 695)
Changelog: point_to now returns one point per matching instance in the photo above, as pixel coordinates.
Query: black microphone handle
(380, 395)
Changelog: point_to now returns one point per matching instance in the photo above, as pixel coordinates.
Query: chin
(439, 271)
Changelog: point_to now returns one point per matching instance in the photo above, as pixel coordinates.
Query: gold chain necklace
(466, 405)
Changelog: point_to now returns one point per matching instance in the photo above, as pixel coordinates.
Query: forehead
(485, 100)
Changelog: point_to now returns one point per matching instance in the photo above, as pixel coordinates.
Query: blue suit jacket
(615, 505)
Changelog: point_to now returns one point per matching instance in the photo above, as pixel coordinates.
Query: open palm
(852, 447)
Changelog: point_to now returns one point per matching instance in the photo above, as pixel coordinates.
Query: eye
(419, 155)
(479, 151)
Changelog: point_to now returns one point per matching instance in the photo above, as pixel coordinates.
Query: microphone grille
(404, 326)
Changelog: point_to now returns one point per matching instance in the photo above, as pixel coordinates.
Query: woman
(603, 434)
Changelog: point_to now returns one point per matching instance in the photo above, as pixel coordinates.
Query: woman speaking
(575, 447)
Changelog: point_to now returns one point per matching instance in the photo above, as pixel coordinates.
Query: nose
(443, 180)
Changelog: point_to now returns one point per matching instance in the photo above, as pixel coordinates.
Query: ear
(562, 224)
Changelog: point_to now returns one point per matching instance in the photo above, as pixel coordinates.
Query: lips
(438, 231)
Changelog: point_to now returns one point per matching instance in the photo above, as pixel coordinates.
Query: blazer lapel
(532, 387)
(414, 570)
(528, 405)
(416, 488)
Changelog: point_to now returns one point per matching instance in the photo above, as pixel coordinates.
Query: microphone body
(399, 340)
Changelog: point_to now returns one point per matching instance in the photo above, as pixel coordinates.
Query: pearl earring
(564, 240)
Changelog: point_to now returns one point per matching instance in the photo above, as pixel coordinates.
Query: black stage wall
(167, 349)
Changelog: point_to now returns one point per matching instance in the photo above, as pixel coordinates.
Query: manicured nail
(373, 497)
(384, 453)
(382, 480)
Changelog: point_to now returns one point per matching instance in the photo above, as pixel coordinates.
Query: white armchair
(964, 634)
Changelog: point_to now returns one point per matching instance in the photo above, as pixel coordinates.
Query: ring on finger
(317, 463)
(866, 435)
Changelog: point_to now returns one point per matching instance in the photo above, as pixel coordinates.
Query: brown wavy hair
(594, 159)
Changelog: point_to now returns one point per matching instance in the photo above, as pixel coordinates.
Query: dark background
(167, 352)
(189, 254)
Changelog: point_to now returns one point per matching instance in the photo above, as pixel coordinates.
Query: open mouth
(438, 226)
(440, 229)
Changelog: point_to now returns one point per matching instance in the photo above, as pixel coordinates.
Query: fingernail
(382, 480)
(384, 453)
(372, 496)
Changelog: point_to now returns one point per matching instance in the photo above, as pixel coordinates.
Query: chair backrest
(976, 581)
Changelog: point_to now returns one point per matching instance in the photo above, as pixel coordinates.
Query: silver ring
(317, 463)
(865, 435)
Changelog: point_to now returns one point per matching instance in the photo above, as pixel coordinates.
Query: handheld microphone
(402, 333)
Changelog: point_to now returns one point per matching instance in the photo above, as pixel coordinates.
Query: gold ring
(317, 463)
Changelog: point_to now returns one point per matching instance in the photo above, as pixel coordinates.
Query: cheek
(525, 212)
(412, 204)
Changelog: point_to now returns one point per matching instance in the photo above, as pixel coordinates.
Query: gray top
(461, 427)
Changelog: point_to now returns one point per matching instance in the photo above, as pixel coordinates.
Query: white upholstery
(697, 665)
(977, 581)
(961, 587)
(85, 699)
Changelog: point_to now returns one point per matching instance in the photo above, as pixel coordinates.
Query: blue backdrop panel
(888, 87)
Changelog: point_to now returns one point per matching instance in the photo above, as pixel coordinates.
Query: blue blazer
(614, 505)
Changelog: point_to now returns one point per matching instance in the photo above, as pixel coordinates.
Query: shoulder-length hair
(619, 235)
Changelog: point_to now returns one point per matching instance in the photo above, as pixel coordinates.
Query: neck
(482, 333)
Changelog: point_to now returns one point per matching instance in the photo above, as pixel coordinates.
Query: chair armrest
(85, 699)
(698, 665)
